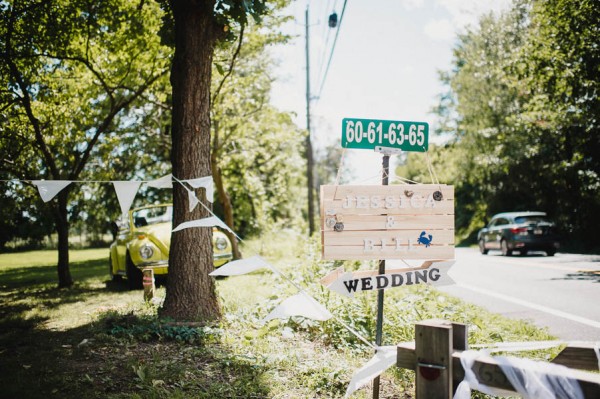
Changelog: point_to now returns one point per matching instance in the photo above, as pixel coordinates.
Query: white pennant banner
(162, 182)
(207, 183)
(49, 188)
(299, 305)
(383, 360)
(192, 200)
(206, 222)
(243, 266)
(126, 191)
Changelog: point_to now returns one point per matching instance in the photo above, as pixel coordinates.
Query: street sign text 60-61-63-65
(370, 133)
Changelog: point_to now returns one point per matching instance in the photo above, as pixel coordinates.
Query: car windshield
(152, 215)
(531, 219)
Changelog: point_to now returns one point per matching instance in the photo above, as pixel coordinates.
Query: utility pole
(309, 151)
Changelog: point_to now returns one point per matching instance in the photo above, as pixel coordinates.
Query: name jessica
(388, 202)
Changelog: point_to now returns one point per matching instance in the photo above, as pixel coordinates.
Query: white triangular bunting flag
(49, 188)
(192, 200)
(206, 222)
(126, 191)
(383, 360)
(207, 183)
(162, 182)
(299, 305)
(242, 266)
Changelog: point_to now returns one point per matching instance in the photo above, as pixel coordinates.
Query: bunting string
(302, 304)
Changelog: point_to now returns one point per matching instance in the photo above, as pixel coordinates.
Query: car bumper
(159, 267)
(533, 245)
(162, 266)
(221, 259)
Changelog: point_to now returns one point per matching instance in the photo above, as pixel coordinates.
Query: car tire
(550, 252)
(482, 248)
(134, 275)
(523, 252)
(504, 248)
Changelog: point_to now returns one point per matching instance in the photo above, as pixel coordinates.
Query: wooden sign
(413, 221)
(433, 272)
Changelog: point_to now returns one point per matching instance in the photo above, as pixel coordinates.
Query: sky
(385, 66)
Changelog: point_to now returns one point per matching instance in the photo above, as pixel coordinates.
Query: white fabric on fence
(531, 379)
(463, 391)
(518, 346)
(539, 380)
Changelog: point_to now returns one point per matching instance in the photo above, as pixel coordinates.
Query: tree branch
(231, 65)
(26, 100)
(80, 164)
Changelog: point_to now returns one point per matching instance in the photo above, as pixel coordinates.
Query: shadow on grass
(86, 362)
(89, 362)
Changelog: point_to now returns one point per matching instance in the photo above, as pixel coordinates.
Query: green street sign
(372, 133)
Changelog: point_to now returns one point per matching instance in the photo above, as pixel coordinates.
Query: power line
(332, 48)
(326, 43)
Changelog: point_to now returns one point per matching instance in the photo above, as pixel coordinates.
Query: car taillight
(519, 230)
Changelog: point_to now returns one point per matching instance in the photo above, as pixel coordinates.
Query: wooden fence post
(148, 283)
(433, 349)
(435, 357)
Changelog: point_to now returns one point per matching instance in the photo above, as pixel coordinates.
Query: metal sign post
(360, 222)
(380, 293)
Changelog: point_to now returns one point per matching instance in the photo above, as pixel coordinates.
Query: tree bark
(62, 227)
(191, 291)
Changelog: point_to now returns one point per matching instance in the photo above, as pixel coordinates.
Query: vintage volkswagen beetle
(143, 240)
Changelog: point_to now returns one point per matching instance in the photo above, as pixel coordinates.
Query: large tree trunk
(62, 227)
(191, 291)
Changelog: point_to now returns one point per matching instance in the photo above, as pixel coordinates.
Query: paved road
(560, 292)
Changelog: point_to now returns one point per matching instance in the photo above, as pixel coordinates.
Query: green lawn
(99, 340)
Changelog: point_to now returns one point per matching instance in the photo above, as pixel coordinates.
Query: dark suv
(520, 231)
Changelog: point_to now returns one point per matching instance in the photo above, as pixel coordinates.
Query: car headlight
(220, 243)
(146, 251)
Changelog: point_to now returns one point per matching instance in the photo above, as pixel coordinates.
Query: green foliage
(523, 107)
(150, 328)
(258, 148)
(80, 79)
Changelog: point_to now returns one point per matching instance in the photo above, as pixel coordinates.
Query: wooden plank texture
(444, 207)
(416, 252)
(433, 349)
(578, 356)
(397, 222)
(387, 222)
(439, 237)
(341, 192)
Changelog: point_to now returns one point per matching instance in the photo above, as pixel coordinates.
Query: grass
(99, 340)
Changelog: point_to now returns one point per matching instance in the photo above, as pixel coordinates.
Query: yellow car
(143, 242)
